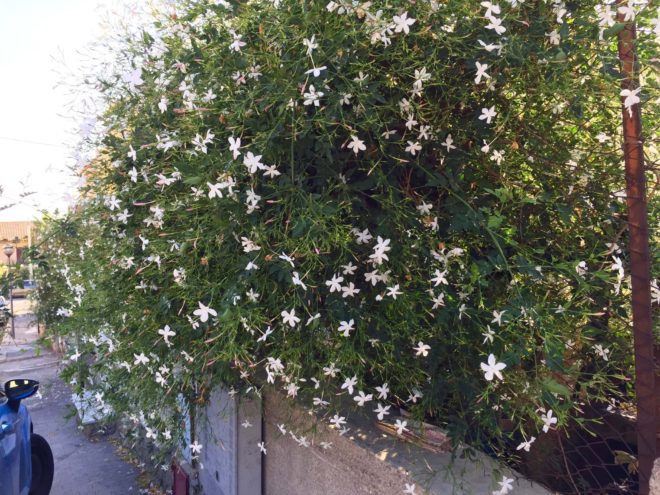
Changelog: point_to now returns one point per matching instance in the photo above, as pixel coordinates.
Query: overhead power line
(30, 141)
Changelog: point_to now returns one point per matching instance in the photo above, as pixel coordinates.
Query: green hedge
(413, 194)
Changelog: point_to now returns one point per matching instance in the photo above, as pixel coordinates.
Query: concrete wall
(366, 461)
(231, 457)
(344, 469)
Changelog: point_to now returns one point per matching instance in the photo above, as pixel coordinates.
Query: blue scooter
(26, 460)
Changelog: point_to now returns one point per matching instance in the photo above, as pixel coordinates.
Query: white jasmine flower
(287, 258)
(506, 485)
(346, 327)
(491, 9)
(335, 283)
(349, 269)
(394, 291)
(413, 148)
(331, 370)
(166, 333)
(236, 44)
(271, 171)
(481, 72)
(382, 411)
(310, 44)
(411, 122)
(497, 156)
(372, 277)
(526, 444)
(249, 245)
(493, 368)
(348, 384)
(422, 349)
(356, 145)
(195, 448)
(162, 104)
(448, 143)
(290, 317)
(316, 72)
(204, 311)
(140, 359)
(554, 36)
(488, 335)
(628, 11)
(548, 420)
(296, 280)
(489, 47)
(497, 317)
(235, 146)
(402, 23)
(349, 291)
(602, 352)
(440, 278)
(487, 114)
(410, 489)
(252, 162)
(496, 25)
(337, 421)
(438, 301)
(383, 390)
(312, 319)
(631, 99)
(313, 97)
(361, 398)
(362, 237)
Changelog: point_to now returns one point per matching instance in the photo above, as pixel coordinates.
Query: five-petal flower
(493, 368)
(290, 317)
(204, 311)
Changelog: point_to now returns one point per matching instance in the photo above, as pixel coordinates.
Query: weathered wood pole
(640, 263)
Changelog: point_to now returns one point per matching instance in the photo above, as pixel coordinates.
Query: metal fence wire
(598, 456)
(612, 449)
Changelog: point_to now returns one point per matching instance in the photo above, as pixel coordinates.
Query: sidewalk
(82, 465)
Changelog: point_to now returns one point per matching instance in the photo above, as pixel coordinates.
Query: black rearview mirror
(19, 389)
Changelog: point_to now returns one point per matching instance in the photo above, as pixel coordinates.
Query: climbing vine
(414, 204)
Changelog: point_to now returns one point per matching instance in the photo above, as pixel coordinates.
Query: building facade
(18, 234)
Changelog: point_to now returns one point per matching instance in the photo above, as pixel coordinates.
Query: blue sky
(40, 39)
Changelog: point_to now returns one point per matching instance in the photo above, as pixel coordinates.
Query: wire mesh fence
(598, 456)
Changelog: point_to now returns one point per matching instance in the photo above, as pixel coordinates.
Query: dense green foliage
(432, 198)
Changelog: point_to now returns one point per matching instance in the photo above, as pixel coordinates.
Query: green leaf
(300, 227)
(494, 221)
(192, 181)
(561, 56)
(436, 180)
(554, 355)
(614, 30)
(556, 388)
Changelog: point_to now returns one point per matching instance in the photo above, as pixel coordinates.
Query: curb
(18, 356)
(47, 364)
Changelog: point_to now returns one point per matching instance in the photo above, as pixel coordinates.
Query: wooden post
(640, 265)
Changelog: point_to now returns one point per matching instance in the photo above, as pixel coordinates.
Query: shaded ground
(83, 466)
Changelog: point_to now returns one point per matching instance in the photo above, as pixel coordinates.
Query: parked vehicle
(27, 287)
(26, 460)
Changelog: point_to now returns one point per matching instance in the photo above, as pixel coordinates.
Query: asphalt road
(83, 466)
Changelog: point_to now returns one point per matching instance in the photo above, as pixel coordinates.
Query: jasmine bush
(411, 203)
